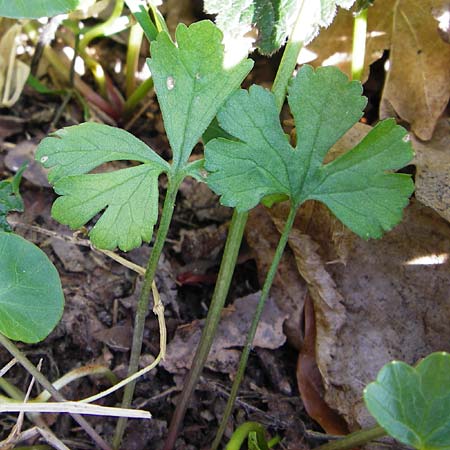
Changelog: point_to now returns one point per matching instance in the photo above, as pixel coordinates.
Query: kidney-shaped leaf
(413, 404)
(359, 187)
(31, 297)
(33, 9)
(128, 197)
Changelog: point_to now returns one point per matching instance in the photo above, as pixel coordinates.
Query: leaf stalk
(254, 325)
(355, 439)
(221, 289)
(144, 299)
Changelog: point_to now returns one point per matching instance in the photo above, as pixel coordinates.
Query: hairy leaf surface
(128, 197)
(413, 403)
(31, 297)
(260, 162)
(274, 19)
(191, 83)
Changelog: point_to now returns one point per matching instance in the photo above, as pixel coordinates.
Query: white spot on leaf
(170, 82)
(406, 138)
(44, 159)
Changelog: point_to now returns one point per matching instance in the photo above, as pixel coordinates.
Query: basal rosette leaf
(31, 297)
(192, 83)
(413, 403)
(127, 198)
(359, 187)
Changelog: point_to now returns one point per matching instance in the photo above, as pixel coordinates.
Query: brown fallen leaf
(416, 86)
(23, 152)
(395, 294)
(309, 380)
(224, 356)
(417, 83)
(333, 46)
(433, 169)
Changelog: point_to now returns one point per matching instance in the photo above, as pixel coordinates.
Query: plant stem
(289, 59)
(355, 439)
(241, 433)
(134, 47)
(227, 266)
(359, 44)
(26, 363)
(144, 299)
(102, 29)
(254, 325)
(279, 88)
(140, 92)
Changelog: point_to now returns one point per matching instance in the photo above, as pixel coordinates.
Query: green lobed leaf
(413, 404)
(10, 199)
(80, 148)
(191, 83)
(31, 297)
(34, 9)
(358, 187)
(273, 19)
(128, 197)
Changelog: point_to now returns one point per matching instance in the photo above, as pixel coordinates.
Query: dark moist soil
(101, 295)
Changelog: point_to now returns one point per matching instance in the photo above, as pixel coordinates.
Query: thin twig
(8, 366)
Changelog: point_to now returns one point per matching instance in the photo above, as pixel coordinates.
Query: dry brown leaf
(433, 169)
(309, 380)
(333, 46)
(389, 301)
(417, 85)
(232, 331)
(13, 72)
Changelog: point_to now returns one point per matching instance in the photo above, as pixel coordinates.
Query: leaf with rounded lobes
(80, 148)
(413, 403)
(129, 197)
(260, 162)
(34, 9)
(31, 297)
(192, 83)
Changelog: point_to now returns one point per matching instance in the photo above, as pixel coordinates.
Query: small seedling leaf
(127, 197)
(358, 187)
(192, 83)
(10, 199)
(413, 403)
(26, 9)
(31, 297)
